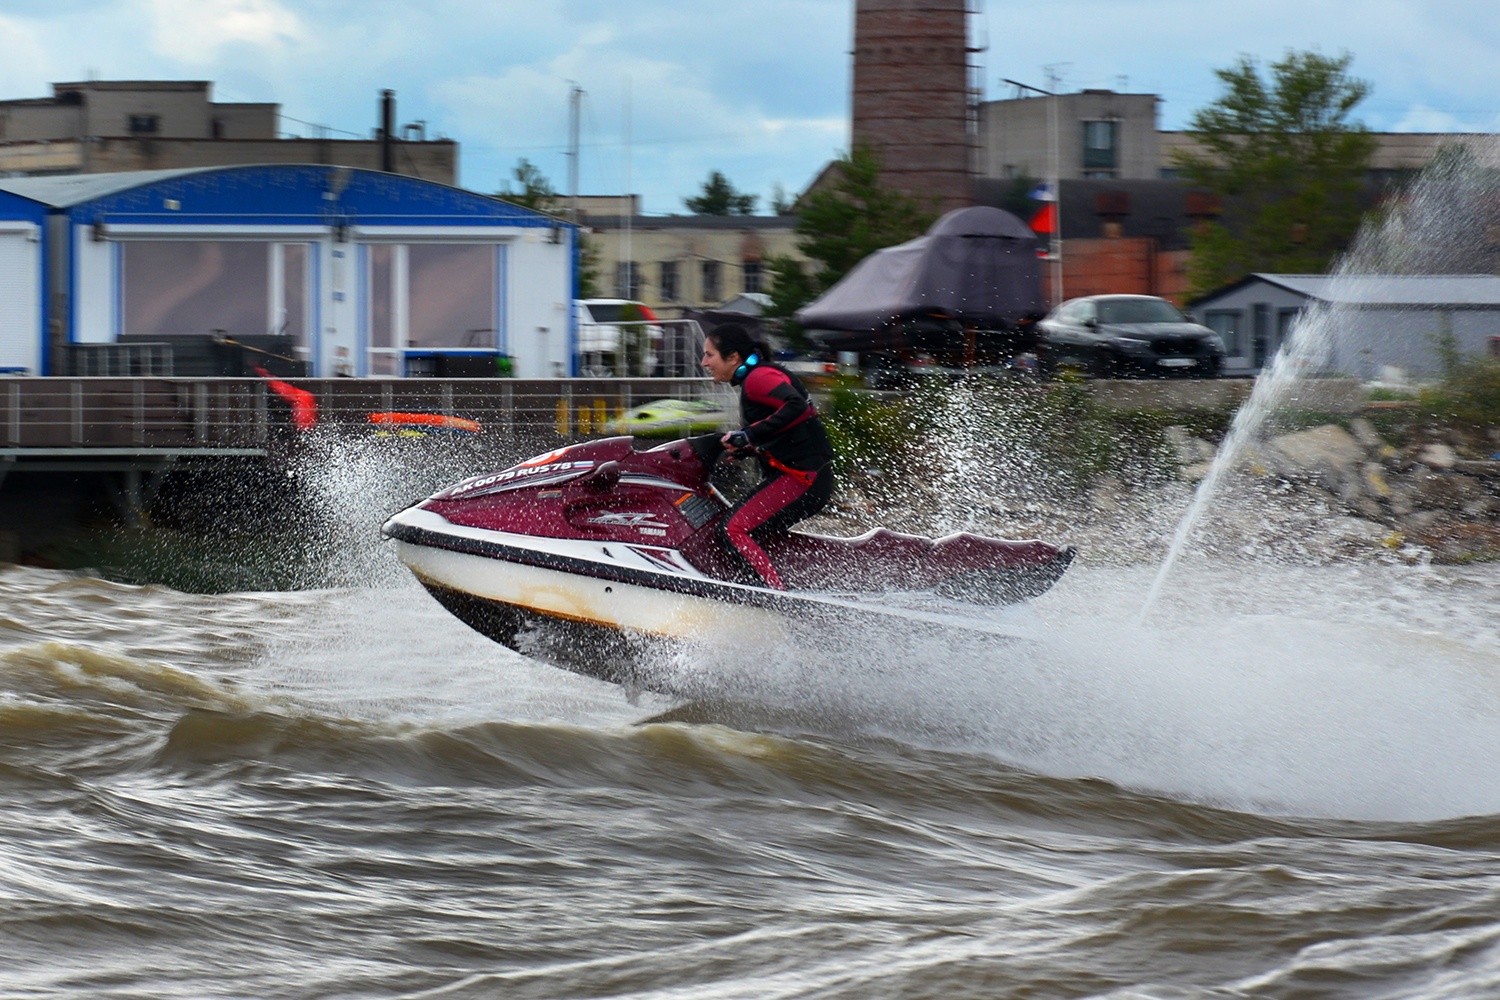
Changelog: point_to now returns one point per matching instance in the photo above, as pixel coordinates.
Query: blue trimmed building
(344, 271)
(23, 289)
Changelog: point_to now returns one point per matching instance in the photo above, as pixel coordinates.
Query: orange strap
(801, 475)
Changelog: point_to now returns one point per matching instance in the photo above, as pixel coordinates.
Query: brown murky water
(1288, 788)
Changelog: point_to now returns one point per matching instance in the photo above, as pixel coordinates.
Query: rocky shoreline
(1334, 492)
(1423, 497)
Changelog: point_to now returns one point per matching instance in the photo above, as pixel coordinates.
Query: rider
(781, 428)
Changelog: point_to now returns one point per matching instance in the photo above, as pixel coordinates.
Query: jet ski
(592, 556)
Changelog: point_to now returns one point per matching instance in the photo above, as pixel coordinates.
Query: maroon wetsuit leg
(778, 493)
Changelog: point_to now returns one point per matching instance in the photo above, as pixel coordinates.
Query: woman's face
(721, 368)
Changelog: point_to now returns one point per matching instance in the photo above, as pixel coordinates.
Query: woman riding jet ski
(781, 428)
(590, 555)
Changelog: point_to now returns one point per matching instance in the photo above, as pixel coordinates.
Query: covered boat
(975, 269)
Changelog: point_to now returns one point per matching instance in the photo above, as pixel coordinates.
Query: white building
(1377, 321)
(345, 271)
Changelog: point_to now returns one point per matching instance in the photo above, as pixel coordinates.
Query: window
(752, 275)
(144, 124)
(627, 280)
(384, 359)
(1099, 150)
(669, 290)
(712, 291)
(451, 295)
(189, 287)
(1141, 310)
(293, 313)
(1285, 318)
(1260, 333)
(1226, 323)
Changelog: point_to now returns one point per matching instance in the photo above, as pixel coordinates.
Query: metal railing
(670, 348)
(146, 414)
(133, 359)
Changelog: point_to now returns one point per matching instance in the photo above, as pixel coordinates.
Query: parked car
(1127, 336)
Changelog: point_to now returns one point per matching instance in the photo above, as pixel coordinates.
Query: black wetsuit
(796, 459)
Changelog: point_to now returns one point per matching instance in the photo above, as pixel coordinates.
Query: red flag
(1044, 222)
(304, 405)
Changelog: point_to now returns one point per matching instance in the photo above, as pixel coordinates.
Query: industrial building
(107, 126)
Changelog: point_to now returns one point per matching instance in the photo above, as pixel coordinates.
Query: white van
(616, 337)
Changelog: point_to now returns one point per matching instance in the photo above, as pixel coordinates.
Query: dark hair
(731, 338)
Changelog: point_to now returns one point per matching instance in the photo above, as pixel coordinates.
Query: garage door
(20, 300)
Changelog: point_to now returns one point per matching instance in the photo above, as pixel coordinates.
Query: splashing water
(352, 484)
(1438, 228)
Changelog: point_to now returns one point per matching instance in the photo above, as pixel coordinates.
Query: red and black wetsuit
(796, 460)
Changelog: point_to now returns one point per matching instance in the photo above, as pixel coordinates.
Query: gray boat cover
(976, 265)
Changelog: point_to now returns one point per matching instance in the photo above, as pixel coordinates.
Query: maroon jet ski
(585, 556)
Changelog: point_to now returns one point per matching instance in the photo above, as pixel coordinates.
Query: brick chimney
(911, 101)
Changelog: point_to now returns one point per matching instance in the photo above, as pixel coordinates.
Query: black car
(1127, 336)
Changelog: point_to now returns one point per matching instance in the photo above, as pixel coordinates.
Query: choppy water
(1284, 784)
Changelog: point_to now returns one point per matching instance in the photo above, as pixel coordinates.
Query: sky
(675, 89)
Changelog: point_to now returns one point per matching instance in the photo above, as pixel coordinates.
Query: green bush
(1469, 393)
(1050, 440)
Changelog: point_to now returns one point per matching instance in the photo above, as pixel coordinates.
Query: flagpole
(1056, 247)
(1054, 183)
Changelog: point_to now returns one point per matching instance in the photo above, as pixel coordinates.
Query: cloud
(1421, 118)
(25, 56)
(194, 32)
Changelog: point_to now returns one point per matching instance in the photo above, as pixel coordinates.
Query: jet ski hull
(570, 560)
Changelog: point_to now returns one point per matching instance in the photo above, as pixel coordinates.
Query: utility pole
(575, 101)
(1054, 182)
(1053, 79)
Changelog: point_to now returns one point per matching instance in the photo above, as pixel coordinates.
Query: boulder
(1327, 455)
(1437, 455)
(1368, 437)
(1190, 450)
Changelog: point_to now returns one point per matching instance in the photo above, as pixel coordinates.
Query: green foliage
(1045, 441)
(871, 434)
(782, 202)
(719, 197)
(792, 287)
(534, 190)
(1288, 163)
(1469, 393)
(841, 225)
(588, 268)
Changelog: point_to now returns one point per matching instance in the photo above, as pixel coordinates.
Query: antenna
(629, 292)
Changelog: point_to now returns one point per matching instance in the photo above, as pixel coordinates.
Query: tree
(588, 267)
(536, 191)
(844, 223)
(720, 198)
(839, 226)
(1288, 164)
(782, 203)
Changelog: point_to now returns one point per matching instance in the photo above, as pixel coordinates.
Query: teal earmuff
(744, 369)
